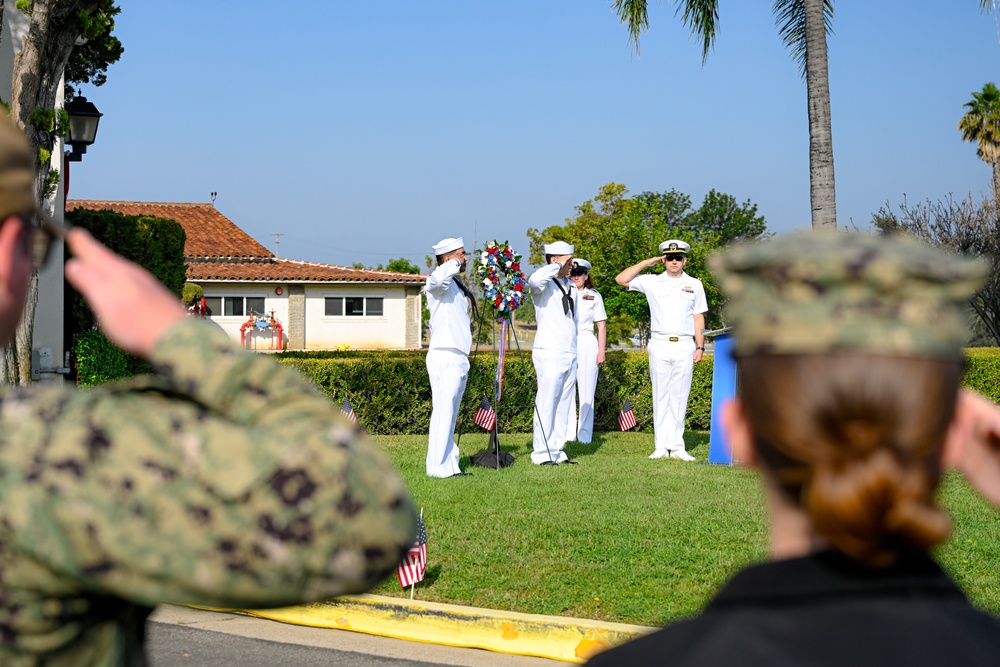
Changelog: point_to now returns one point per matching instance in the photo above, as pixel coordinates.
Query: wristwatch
(699, 347)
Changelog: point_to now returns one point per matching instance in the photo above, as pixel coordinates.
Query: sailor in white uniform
(677, 308)
(449, 303)
(589, 348)
(553, 353)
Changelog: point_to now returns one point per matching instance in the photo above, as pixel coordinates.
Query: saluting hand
(973, 443)
(133, 308)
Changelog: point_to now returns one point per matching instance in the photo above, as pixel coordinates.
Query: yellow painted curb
(556, 637)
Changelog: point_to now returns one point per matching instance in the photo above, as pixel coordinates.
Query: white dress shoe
(681, 454)
(659, 454)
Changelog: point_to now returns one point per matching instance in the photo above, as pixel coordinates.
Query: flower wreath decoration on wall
(501, 278)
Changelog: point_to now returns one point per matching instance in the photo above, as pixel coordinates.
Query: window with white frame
(353, 306)
(233, 306)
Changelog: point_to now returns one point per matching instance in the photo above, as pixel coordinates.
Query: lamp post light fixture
(83, 120)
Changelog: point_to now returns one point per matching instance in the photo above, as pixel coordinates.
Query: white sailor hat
(447, 245)
(582, 263)
(558, 248)
(674, 245)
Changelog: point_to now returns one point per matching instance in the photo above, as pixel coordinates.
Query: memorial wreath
(501, 278)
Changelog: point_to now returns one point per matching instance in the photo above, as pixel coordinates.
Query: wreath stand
(493, 457)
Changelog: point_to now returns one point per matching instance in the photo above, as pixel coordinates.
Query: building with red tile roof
(318, 306)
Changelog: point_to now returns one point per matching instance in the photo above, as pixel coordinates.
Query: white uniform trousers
(555, 371)
(671, 365)
(448, 370)
(586, 385)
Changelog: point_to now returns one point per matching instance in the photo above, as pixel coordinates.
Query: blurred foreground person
(849, 355)
(223, 480)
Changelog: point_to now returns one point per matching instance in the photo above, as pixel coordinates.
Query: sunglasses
(44, 234)
(675, 258)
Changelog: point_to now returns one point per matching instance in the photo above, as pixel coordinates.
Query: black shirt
(826, 609)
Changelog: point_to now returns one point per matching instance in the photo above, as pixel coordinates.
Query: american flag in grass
(626, 418)
(485, 416)
(348, 411)
(411, 570)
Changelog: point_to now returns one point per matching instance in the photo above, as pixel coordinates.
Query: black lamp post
(83, 120)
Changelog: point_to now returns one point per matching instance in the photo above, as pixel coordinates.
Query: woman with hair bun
(589, 349)
(849, 356)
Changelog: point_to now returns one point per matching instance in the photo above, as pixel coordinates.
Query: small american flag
(411, 570)
(485, 416)
(348, 411)
(626, 418)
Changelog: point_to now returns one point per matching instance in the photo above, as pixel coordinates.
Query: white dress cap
(558, 248)
(447, 245)
(582, 263)
(674, 245)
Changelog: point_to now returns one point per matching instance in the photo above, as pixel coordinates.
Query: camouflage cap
(818, 293)
(17, 172)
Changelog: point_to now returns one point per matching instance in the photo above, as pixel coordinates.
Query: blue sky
(363, 131)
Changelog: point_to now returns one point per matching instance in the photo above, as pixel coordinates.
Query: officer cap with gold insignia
(674, 245)
(824, 293)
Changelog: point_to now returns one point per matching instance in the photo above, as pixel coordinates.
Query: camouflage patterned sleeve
(225, 480)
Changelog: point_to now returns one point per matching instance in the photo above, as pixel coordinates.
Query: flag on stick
(626, 418)
(411, 570)
(348, 411)
(485, 416)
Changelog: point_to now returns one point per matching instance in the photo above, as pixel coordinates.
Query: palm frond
(790, 17)
(702, 17)
(987, 5)
(633, 15)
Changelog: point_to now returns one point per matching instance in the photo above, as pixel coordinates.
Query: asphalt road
(182, 637)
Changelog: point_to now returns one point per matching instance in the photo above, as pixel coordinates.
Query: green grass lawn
(619, 537)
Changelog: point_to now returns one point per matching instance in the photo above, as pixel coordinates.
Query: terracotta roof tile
(290, 270)
(209, 233)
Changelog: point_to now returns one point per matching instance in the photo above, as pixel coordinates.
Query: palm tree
(982, 123)
(803, 26)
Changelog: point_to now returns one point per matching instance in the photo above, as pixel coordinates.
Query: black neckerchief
(567, 300)
(468, 294)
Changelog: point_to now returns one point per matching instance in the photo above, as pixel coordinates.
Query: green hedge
(391, 393)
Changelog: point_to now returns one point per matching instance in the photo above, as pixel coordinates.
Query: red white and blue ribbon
(501, 356)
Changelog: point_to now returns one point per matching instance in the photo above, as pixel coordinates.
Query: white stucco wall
(260, 339)
(387, 332)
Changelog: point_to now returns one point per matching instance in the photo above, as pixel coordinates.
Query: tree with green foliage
(156, 244)
(614, 231)
(55, 39)
(981, 123)
(803, 26)
(400, 265)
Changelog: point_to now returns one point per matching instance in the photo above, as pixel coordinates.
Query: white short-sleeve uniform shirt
(673, 302)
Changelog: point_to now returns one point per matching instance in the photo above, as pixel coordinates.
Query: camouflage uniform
(224, 480)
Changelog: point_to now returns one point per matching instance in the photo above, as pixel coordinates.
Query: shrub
(191, 294)
(157, 244)
(390, 391)
(98, 360)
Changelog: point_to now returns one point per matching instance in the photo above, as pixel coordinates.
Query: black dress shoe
(460, 474)
(569, 463)
(548, 463)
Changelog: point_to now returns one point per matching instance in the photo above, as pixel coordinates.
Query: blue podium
(723, 388)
